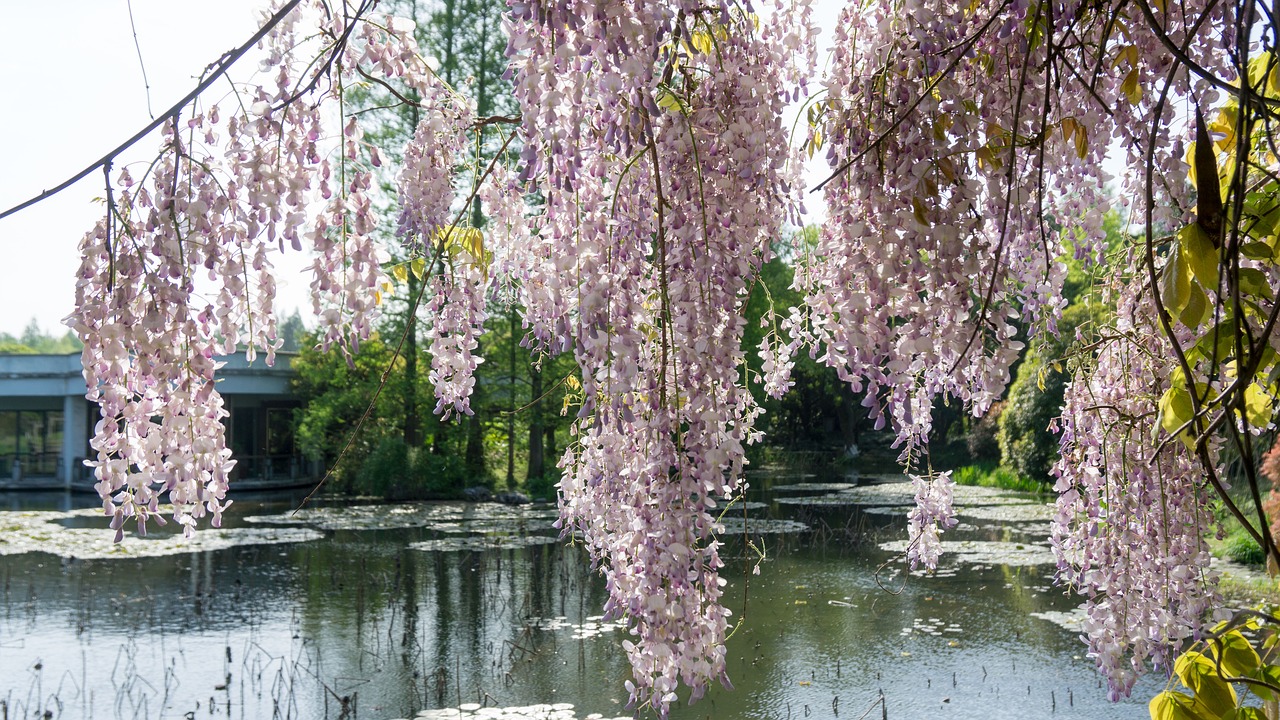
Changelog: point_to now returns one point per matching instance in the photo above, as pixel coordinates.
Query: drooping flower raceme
(179, 271)
(658, 214)
(932, 515)
(656, 171)
(1133, 515)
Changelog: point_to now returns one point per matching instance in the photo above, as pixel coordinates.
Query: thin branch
(927, 92)
(217, 70)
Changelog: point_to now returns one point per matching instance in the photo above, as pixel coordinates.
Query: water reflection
(387, 612)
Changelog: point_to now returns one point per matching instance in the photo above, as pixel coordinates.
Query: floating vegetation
(735, 525)
(930, 626)
(473, 711)
(480, 543)
(738, 506)
(450, 517)
(25, 532)
(820, 500)
(591, 627)
(988, 552)
(485, 527)
(1072, 620)
(1020, 513)
(902, 493)
(893, 510)
(813, 487)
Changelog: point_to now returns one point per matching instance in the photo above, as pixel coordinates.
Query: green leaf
(1258, 250)
(669, 100)
(1200, 675)
(1218, 342)
(1175, 285)
(1246, 713)
(1197, 308)
(1237, 656)
(1254, 282)
(1175, 408)
(1202, 256)
(1257, 410)
(1269, 674)
(1170, 705)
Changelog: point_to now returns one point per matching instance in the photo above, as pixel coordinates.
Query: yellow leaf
(1175, 408)
(669, 100)
(1201, 255)
(702, 42)
(1257, 406)
(1175, 283)
(1200, 675)
(1170, 705)
(400, 272)
(1130, 87)
(1197, 308)
(919, 211)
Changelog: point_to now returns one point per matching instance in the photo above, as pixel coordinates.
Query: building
(46, 422)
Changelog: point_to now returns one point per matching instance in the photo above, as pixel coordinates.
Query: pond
(455, 610)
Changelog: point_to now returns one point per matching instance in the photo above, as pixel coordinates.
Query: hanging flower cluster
(658, 213)
(932, 515)
(1133, 513)
(966, 141)
(179, 272)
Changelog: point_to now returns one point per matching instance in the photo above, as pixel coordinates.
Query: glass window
(8, 436)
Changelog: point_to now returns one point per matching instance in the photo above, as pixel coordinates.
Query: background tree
(653, 137)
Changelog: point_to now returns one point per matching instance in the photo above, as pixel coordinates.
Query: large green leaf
(1200, 675)
(1234, 652)
(1171, 705)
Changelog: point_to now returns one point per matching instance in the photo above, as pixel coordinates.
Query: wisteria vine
(967, 144)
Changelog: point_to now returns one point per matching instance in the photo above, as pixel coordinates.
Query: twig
(217, 70)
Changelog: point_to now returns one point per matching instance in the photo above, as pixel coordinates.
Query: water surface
(381, 611)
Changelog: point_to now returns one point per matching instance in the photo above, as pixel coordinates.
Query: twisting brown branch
(216, 70)
(927, 92)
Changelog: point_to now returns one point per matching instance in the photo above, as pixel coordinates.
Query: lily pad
(820, 500)
(448, 516)
(472, 711)
(987, 552)
(1072, 620)
(589, 628)
(1020, 513)
(902, 493)
(734, 526)
(26, 532)
(814, 487)
(480, 543)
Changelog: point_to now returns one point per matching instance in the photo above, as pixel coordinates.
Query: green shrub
(989, 474)
(1035, 399)
(1243, 549)
(386, 471)
(981, 439)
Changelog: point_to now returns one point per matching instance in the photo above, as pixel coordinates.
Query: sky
(74, 90)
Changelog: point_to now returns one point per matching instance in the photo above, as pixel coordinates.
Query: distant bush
(988, 473)
(981, 439)
(397, 472)
(1243, 549)
(1035, 399)
(1036, 395)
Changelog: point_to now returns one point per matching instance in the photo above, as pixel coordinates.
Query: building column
(75, 438)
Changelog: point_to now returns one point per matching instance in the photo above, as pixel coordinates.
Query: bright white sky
(73, 90)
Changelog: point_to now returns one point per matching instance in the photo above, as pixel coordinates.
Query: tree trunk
(511, 406)
(536, 460)
(412, 433)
